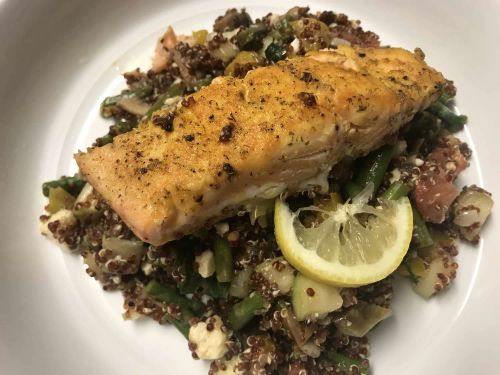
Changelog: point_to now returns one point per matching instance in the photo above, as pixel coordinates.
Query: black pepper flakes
(362, 54)
(308, 77)
(307, 98)
(189, 138)
(226, 133)
(199, 198)
(229, 169)
(165, 122)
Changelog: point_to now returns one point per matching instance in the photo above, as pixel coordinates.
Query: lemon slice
(357, 244)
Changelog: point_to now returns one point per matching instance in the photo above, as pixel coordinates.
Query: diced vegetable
(243, 59)
(275, 52)
(239, 286)
(471, 209)
(226, 51)
(168, 294)
(346, 363)
(359, 319)
(312, 33)
(138, 93)
(452, 121)
(421, 236)
(279, 272)
(373, 167)
(249, 37)
(176, 89)
(224, 270)
(244, 311)
(124, 251)
(437, 276)
(396, 190)
(293, 325)
(199, 36)
(134, 105)
(312, 299)
(59, 199)
(351, 189)
(72, 185)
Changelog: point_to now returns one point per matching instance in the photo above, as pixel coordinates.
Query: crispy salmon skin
(280, 128)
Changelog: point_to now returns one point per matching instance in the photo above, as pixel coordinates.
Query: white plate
(59, 59)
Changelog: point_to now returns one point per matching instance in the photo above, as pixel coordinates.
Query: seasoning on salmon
(292, 122)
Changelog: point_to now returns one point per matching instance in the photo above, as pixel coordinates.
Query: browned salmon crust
(277, 129)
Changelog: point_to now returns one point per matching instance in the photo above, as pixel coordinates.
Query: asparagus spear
(453, 122)
(421, 235)
(346, 363)
(224, 270)
(168, 294)
(396, 190)
(177, 89)
(373, 167)
(244, 311)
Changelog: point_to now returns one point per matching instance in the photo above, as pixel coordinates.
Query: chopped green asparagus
(351, 189)
(244, 311)
(452, 121)
(224, 269)
(421, 235)
(176, 89)
(396, 190)
(346, 363)
(373, 167)
(72, 185)
(168, 294)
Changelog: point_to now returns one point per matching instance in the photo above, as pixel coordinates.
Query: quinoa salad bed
(227, 288)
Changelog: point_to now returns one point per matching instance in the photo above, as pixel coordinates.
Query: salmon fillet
(281, 128)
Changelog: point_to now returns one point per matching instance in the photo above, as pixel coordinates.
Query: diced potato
(437, 277)
(243, 58)
(312, 299)
(59, 199)
(278, 271)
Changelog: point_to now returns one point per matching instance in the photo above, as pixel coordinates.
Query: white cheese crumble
(295, 45)
(206, 263)
(147, 268)
(221, 228)
(395, 175)
(209, 344)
